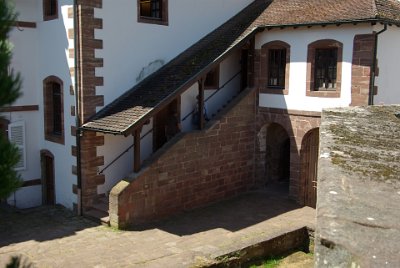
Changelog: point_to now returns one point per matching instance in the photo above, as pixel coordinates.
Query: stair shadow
(39, 224)
(234, 214)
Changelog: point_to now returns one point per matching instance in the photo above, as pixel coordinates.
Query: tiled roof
(305, 12)
(119, 116)
(137, 104)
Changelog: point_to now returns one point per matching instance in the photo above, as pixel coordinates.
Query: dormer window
(153, 11)
(50, 9)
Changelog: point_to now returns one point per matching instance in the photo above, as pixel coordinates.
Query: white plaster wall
(388, 81)
(129, 46)
(298, 39)
(39, 53)
(53, 60)
(26, 197)
(188, 104)
(29, 10)
(24, 60)
(120, 168)
(124, 165)
(146, 143)
(228, 69)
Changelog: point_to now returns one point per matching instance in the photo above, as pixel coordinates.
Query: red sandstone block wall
(200, 168)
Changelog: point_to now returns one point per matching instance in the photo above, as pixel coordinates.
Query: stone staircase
(99, 210)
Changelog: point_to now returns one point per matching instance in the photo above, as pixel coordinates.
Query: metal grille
(276, 68)
(325, 68)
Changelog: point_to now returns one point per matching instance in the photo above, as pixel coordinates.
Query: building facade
(102, 81)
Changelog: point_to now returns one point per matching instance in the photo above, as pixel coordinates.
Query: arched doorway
(48, 191)
(277, 158)
(309, 166)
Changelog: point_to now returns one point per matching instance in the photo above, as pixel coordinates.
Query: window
(276, 68)
(212, 79)
(53, 110)
(50, 9)
(153, 11)
(275, 63)
(16, 135)
(324, 68)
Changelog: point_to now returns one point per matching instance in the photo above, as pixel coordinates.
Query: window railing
(151, 130)
(124, 152)
(213, 94)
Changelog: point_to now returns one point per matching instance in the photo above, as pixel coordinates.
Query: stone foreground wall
(359, 188)
(199, 168)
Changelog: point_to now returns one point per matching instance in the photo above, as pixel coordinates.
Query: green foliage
(269, 263)
(9, 82)
(10, 85)
(9, 178)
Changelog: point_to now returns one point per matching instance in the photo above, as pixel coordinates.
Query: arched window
(50, 9)
(275, 63)
(53, 109)
(324, 68)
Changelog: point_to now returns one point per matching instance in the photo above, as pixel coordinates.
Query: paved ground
(53, 237)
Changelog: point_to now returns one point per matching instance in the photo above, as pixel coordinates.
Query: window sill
(47, 18)
(151, 20)
(324, 93)
(277, 91)
(55, 138)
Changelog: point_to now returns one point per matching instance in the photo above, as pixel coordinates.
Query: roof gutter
(373, 67)
(339, 22)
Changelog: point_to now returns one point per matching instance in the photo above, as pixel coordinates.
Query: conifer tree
(10, 84)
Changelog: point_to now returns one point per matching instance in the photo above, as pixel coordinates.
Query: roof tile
(133, 106)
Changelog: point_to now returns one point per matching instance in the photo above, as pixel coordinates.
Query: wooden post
(201, 103)
(136, 138)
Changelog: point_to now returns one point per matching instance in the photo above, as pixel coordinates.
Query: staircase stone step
(102, 206)
(98, 216)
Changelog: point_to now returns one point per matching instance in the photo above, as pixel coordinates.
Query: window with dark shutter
(153, 11)
(50, 9)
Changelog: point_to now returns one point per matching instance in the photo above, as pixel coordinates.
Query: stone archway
(277, 158)
(309, 166)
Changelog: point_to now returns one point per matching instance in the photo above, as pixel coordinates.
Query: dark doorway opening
(48, 192)
(161, 121)
(277, 159)
(309, 166)
(244, 69)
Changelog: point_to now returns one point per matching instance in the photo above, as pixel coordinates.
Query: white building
(102, 77)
